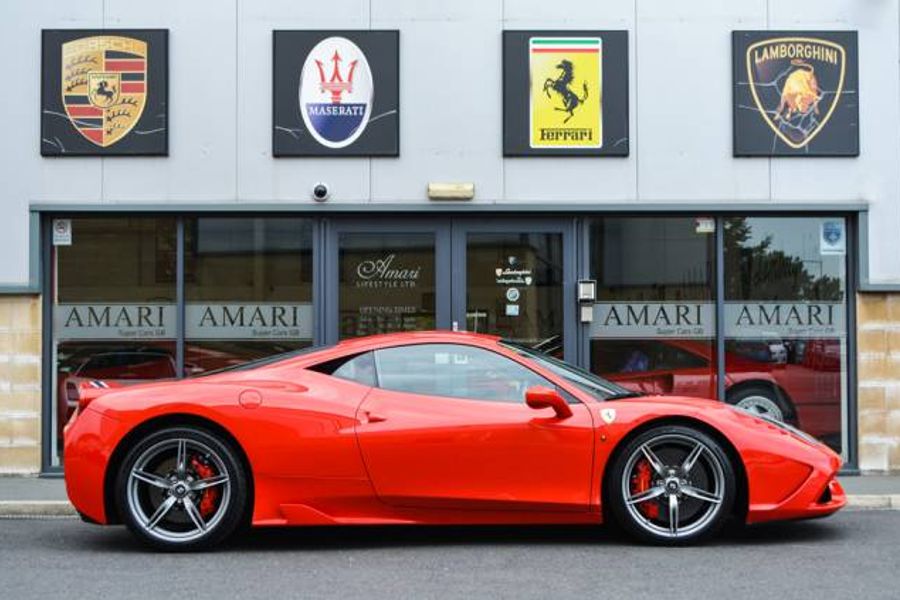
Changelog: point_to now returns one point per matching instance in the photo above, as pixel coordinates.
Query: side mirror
(539, 397)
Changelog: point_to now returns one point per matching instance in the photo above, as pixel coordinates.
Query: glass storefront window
(654, 320)
(386, 283)
(786, 328)
(248, 289)
(113, 309)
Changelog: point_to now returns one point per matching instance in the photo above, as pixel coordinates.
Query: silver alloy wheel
(165, 491)
(685, 474)
(762, 406)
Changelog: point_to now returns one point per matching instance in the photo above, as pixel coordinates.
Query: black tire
(207, 457)
(711, 474)
(765, 400)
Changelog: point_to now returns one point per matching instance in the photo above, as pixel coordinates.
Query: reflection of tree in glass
(759, 272)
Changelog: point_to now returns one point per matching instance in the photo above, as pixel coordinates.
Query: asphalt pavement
(853, 554)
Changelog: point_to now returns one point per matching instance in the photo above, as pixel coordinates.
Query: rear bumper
(89, 445)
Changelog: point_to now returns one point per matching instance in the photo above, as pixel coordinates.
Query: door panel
(433, 451)
(514, 287)
(384, 277)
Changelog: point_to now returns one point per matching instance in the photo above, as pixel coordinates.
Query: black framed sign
(104, 92)
(795, 93)
(336, 93)
(565, 93)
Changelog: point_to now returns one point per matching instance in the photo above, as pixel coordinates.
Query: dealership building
(697, 199)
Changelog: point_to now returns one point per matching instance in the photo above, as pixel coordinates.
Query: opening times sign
(743, 320)
(203, 321)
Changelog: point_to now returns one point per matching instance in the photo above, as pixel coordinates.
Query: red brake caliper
(210, 495)
(641, 481)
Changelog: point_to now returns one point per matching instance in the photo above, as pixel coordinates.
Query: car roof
(415, 337)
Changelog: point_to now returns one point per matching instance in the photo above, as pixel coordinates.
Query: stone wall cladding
(878, 336)
(20, 384)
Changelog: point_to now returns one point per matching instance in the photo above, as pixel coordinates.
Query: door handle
(373, 418)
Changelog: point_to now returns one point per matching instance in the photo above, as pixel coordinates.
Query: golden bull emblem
(800, 93)
(796, 84)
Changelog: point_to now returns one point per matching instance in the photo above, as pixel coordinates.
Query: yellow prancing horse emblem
(566, 92)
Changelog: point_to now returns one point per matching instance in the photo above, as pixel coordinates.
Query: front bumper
(819, 496)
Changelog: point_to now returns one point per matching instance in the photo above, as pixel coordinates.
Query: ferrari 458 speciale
(430, 428)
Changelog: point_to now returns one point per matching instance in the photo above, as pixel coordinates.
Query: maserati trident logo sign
(336, 91)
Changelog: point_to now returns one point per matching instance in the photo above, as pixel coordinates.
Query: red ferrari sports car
(431, 428)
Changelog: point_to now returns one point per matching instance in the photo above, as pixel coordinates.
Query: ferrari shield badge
(104, 86)
(608, 415)
(336, 92)
(566, 92)
(796, 83)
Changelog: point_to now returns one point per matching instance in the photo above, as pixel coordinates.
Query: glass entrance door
(512, 282)
(503, 278)
(514, 287)
(387, 278)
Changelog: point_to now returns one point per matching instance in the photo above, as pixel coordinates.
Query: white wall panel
(202, 105)
(873, 176)
(451, 126)
(683, 73)
(611, 179)
(449, 98)
(262, 178)
(25, 177)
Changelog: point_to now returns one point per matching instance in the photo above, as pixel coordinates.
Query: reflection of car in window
(94, 373)
(804, 390)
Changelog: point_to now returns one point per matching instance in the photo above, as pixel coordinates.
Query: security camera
(320, 192)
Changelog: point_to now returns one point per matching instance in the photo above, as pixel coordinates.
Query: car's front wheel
(181, 488)
(671, 485)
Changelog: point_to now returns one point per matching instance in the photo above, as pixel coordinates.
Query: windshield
(597, 387)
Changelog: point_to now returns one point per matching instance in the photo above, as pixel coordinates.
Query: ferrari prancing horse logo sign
(104, 86)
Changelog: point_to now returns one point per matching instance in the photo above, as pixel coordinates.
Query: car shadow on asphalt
(378, 537)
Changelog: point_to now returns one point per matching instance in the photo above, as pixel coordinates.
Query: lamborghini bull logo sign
(104, 86)
(796, 84)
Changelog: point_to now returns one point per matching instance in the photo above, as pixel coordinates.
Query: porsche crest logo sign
(801, 87)
(104, 86)
(566, 95)
(104, 92)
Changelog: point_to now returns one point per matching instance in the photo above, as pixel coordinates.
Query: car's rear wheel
(672, 485)
(181, 488)
(763, 401)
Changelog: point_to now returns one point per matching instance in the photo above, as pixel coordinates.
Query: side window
(455, 371)
(359, 368)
